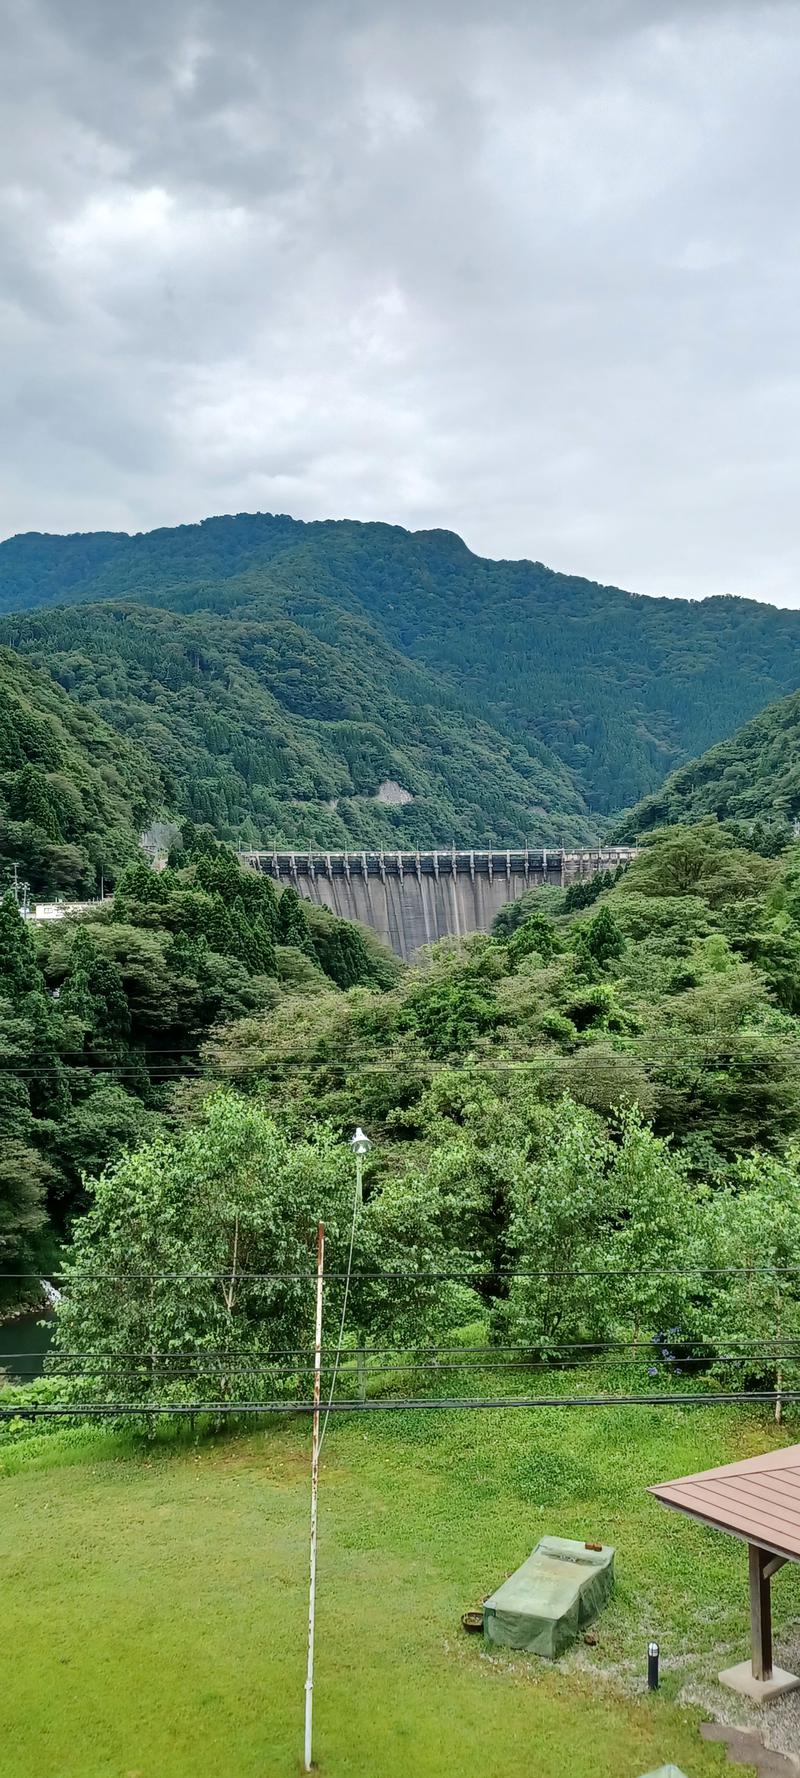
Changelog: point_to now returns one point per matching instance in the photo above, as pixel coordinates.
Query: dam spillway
(414, 898)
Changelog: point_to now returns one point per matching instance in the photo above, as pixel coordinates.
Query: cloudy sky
(529, 269)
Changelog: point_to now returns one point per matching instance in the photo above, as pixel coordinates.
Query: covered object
(544, 1604)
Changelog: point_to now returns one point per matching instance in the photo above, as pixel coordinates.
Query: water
(27, 1340)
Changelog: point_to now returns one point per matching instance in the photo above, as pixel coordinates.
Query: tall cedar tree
(293, 927)
(19, 970)
(94, 991)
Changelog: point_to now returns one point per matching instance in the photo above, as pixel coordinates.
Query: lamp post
(360, 1145)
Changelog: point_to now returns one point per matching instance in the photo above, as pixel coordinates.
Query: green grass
(153, 1597)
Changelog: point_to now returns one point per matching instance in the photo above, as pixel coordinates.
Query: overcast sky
(528, 269)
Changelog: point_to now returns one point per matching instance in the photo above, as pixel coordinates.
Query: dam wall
(414, 898)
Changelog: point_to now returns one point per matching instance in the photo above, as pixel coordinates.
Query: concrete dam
(413, 898)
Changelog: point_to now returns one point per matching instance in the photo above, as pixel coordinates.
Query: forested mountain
(752, 779)
(274, 729)
(73, 794)
(621, 688)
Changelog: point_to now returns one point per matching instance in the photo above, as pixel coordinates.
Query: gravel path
(778, 1724)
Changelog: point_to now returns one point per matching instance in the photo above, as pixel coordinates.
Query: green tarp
(542, 1607)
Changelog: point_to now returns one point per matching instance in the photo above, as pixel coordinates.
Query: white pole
(360, 1360)
(312, 1584)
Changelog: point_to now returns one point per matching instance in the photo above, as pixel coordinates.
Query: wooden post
(760, 1612)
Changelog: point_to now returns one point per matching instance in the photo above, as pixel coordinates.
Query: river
(23, 1345)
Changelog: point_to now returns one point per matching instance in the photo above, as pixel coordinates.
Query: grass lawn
(154, 1599)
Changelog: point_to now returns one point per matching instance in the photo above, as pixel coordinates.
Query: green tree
(448, 1017)
(604, 1229)
(267, 963)
(219, 928)
(219, 874)
(292, 925)
(19, 970)
(142, 894)
(32, 799)
(754, 1317)
(722, 1062)
(601, 939)
(547, 900)
(342, 954)
(24, 1177)
(557, 1194)
(697, 861)
(205, 1243)
(535, 936)
(94, 994)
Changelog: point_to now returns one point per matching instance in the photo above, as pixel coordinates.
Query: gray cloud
(529, 271)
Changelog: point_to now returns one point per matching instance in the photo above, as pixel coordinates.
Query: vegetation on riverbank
(100, 1016)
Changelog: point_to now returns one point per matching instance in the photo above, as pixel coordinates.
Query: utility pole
(21, 892)
(312, 1584)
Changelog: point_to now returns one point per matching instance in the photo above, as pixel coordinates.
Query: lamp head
(359, 1142)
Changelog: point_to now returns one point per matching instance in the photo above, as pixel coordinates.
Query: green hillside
(621, 688)
(73, 794)
(754, 778)
(273, 730)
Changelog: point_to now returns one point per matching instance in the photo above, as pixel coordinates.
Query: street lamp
(360, 1145)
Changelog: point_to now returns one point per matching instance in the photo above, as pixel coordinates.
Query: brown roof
(757, 1500)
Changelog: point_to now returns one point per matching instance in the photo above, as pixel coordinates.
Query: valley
(381, 888)
(399, 890)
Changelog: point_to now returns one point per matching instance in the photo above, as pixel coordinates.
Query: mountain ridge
(617, 688)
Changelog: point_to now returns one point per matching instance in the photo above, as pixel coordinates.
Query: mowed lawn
(153, 1597)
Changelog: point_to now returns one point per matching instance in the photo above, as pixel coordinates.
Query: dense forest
(74, 795)
(751, 780)
(619, 1080)
(619, 688)
(270, 732)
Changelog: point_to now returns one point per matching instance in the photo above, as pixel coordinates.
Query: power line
(409, 1404)
(431, 1347)
(176, 1373)
(455, 1064)
(531, 1358)
(483, 1271)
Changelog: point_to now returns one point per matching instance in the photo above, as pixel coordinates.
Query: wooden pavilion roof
(757, 1500)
